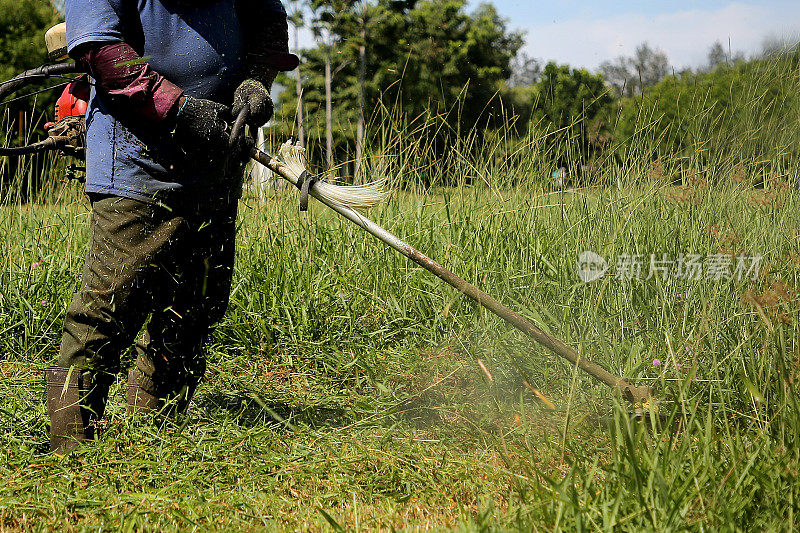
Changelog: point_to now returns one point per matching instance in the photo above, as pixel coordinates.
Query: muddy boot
(165, 400)
(69, 424)
(76, 406)
(174, 397)
(142, 398)
(161, 385)
(179, 399)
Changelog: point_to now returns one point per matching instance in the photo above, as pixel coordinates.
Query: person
(163, 177)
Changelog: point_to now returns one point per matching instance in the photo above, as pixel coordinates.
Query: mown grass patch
(344, 386)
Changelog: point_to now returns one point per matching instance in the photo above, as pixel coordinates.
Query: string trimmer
(289, 164)
(345, 200)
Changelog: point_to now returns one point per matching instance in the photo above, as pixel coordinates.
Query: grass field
(350, 390)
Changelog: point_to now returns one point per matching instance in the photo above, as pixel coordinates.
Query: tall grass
(349, 389)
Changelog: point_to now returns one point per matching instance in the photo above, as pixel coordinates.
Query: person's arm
(265, 32)
(96, 38)
(127, 81)
(131, 86)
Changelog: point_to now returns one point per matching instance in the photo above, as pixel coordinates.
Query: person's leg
(105, 314)
(195, 289)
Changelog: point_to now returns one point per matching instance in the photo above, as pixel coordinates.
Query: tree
(651, 65)
(354, 24)
(324, 18)
(420, 58)
(631, 75)
(617, 73)
(330, 19)
(748, 111)
(452, 55)
(22, 27)
(716, 56)
(296, 19)
(525, 71)
(774, 45)
(362, 80)
(569, 100)
(570, 95)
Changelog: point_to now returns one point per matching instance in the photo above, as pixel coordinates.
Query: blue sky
(584, 33)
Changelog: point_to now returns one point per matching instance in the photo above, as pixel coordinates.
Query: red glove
(124, 78)
(198, 126)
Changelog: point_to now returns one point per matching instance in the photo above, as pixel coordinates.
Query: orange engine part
(72, 102)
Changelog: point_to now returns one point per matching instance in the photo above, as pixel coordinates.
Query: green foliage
(23, 24)
(22, 27)
(567, 97)
(344, 378)
(632, 75)
(563, 107)
(745, 111)
(426, 58)
(448, 51)
(346, 385)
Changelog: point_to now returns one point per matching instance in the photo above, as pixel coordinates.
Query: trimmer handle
(238, 124)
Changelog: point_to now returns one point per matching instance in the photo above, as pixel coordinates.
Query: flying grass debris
(290, 165)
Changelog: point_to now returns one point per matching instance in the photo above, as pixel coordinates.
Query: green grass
(344, 387)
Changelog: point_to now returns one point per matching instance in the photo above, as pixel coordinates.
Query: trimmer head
(635, 395)
(641, 399)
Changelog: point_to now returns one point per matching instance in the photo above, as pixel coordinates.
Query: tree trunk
(362, 74)
(328, 109)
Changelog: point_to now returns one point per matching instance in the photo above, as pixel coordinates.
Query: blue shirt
(198, 48)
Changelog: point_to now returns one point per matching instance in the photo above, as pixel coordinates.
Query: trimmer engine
(70, 121)
(71, 106)
(68, 131)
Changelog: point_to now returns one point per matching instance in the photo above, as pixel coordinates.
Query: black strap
(305, 183)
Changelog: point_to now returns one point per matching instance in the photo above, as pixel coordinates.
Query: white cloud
(684, 35)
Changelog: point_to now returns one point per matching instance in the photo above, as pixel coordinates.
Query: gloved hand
(255, 93)
(202, 130)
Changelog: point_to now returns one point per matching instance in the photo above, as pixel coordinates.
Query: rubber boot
(69, 423)
(146, 397)
(142, 398)
(180, 399)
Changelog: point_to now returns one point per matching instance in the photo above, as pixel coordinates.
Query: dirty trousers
(170, 265)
